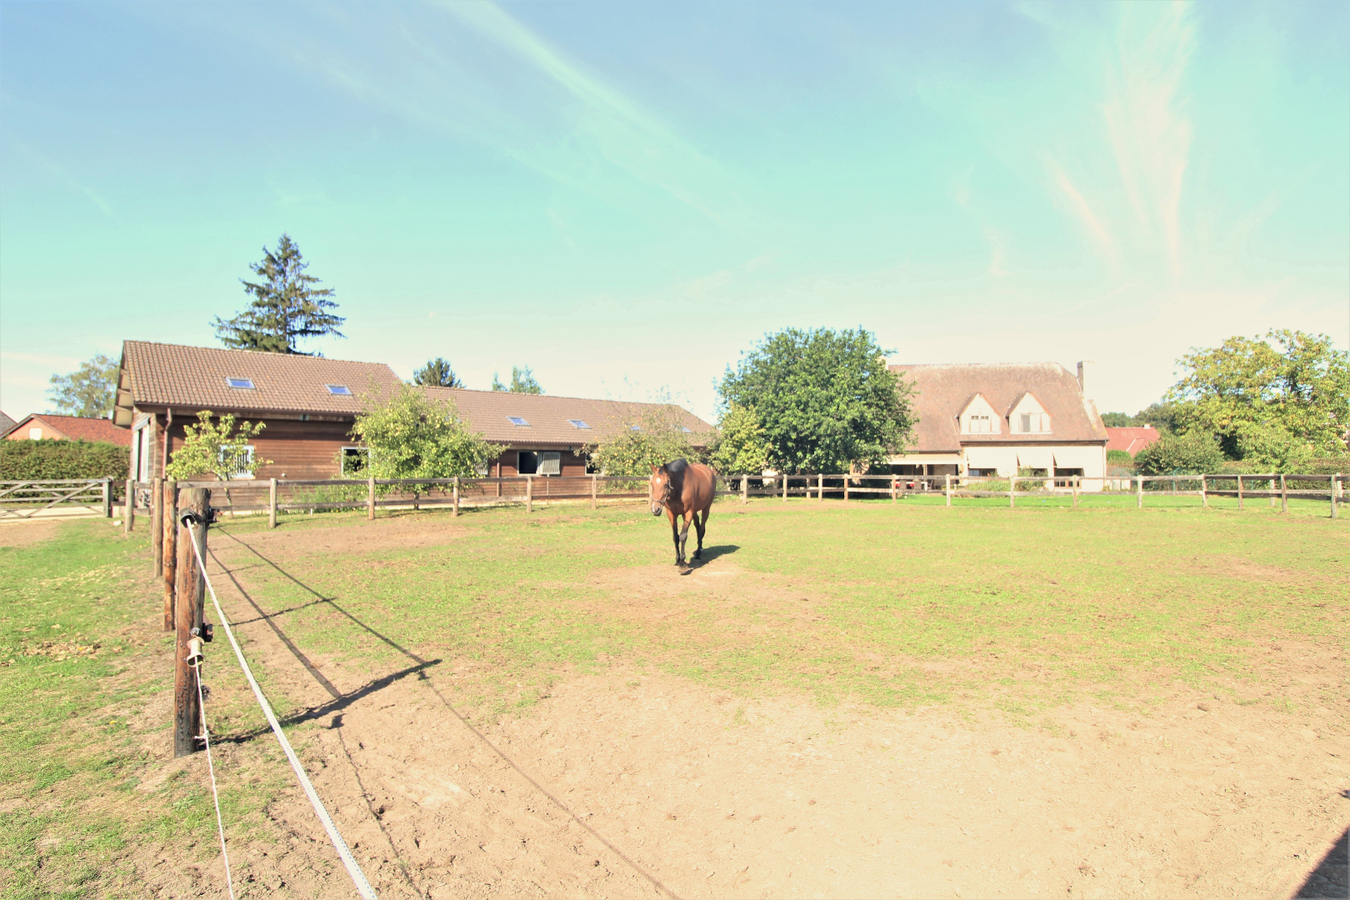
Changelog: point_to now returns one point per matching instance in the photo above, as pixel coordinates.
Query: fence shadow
(1331, 878)
(419, 670)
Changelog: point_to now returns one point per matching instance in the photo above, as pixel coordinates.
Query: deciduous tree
(216, 448)
(88, 391)
(825, 399)
(1289, 386)
(409, 435)
(741, 448)
(653, 438)
(1191, 453)
(287, 306)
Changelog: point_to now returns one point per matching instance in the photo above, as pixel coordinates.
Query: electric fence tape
(211, 767)
(353, 869)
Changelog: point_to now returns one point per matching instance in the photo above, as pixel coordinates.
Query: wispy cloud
(1144, 109)
(63, 175)
(1080, 207)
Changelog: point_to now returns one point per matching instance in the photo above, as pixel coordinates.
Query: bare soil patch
(28, 532)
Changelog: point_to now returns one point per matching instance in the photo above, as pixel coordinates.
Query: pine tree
(286, 308)
(437, 373)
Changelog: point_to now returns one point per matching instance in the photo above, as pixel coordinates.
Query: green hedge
(42, 460)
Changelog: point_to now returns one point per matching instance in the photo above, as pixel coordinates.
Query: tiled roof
(77, 428)
(943, 390)
(195, 378)
(6, 424)
(487, 413)
(1131, 440)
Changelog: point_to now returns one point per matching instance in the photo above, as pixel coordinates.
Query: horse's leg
(675, 535)
(684, 536)
(701, 523)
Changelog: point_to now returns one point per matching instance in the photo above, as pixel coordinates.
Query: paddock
(844, 699)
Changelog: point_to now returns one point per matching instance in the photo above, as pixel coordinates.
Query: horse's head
(660, 489)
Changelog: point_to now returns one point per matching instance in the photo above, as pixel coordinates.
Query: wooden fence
(276, 497)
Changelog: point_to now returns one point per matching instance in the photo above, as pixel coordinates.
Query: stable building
(46, 427)
(1003, 419)
(309, 405)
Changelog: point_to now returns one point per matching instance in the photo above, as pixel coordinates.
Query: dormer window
(339, 390)
(1032, 423)
(240, 384)
(518, 421)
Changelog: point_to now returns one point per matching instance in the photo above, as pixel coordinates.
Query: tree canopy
(287, 306)
(522, 382)
(653, 438)
(825, 399)
(1280, 398)
(89, 391)
(437, 373)
(409, 435)
(1192, 453)
(741, 448)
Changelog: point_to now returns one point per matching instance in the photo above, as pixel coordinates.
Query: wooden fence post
(129, 510)
(947, 488)
(157, 526)
(529, 493)
(370, 498)
(1284, 496)
(1139, 492)
(170, 541)
(107, 498)
(820, 487)
(893, 488)
(1012, 490)
(272, 503)
(187, 712)
(1334, 498)
(785, 487)
(456, 495)
(745, 489)
(1204, 494)
(1077, 480)
(593, 478)
(1239, 492)
(846, 486)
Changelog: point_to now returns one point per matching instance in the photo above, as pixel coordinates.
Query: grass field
(977, 608)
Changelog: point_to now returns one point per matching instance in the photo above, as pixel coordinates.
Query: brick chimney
(1084, 376)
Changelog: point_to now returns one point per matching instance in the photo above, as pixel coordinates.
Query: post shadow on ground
(1331, 878)
(422, 664)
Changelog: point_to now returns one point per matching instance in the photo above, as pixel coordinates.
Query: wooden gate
(25, 499)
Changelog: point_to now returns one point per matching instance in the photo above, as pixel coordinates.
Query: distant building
(1131, 440)
(309, 405)
(6, 424)
(44, 427)
(1003, 419)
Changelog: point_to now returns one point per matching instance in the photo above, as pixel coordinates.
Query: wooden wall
(504, 466)
(296, 449)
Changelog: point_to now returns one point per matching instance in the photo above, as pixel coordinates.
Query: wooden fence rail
(277, 496)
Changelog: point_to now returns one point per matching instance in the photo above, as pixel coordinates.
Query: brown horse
(684, 489)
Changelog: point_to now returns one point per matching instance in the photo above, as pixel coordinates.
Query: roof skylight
(578, 423)
(340, 389)
(518, 421)
(243, 384)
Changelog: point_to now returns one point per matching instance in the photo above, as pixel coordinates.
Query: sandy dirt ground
(634, 784)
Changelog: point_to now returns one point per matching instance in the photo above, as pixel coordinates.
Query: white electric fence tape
(353, 869)
(211, 767)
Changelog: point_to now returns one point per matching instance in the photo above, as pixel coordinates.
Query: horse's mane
(676, 466)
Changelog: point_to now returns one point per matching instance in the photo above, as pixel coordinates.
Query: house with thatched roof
(1003, 419)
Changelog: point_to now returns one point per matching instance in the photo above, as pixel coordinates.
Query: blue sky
(628, 196)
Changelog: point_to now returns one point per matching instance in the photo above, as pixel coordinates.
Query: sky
(628, 197)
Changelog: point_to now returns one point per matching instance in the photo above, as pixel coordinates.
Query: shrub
(1192, 453)
(48, 459)
(1120, 458)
